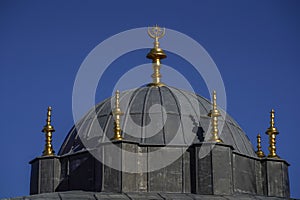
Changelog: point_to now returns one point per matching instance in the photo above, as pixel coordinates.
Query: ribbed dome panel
(155, 116)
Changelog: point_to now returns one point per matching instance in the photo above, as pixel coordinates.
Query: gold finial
(259, 151)
(117, 115)
(214, 114)
(272, 132)
(48, 130)
(156, 54)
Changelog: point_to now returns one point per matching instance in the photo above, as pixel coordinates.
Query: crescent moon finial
(156, 33)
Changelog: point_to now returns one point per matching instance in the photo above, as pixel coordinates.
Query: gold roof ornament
(272, 132)
(48, 130)
(117, 113)
(214, 114)
(259, 151)
(156, 54)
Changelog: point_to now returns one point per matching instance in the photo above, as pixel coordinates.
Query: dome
(158, 139)
(155, 116)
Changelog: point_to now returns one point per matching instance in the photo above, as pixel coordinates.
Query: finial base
(274, 156)
(116, 139)
(156, 84)
(260, 154)
(48, 153)
(117, 136)
(218, 140)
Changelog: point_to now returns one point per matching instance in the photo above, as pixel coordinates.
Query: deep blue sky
(255, 44)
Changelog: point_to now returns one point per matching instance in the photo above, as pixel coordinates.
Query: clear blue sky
(255, 44)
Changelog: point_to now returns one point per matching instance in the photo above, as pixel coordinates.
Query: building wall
(204, 168)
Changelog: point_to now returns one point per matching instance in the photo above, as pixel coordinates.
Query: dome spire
(259, 151)
(214, 114)
(48, 130)
(117, 113)
(272, 132)
(156, 54)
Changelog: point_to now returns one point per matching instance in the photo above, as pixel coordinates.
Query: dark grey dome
(155, 116)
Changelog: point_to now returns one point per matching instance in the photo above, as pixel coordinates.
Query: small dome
(155, 116)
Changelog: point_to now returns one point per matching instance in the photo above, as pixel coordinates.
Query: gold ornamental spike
(214, 114)
(117, 113)
(48, 130)
(156, 54)
(272, 132)
(259, 151)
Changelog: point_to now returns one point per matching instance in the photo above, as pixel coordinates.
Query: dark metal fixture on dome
(259, 151)
(117, 113)
(272, 132)
(214, 114)
(156, 54)
(48, 130)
